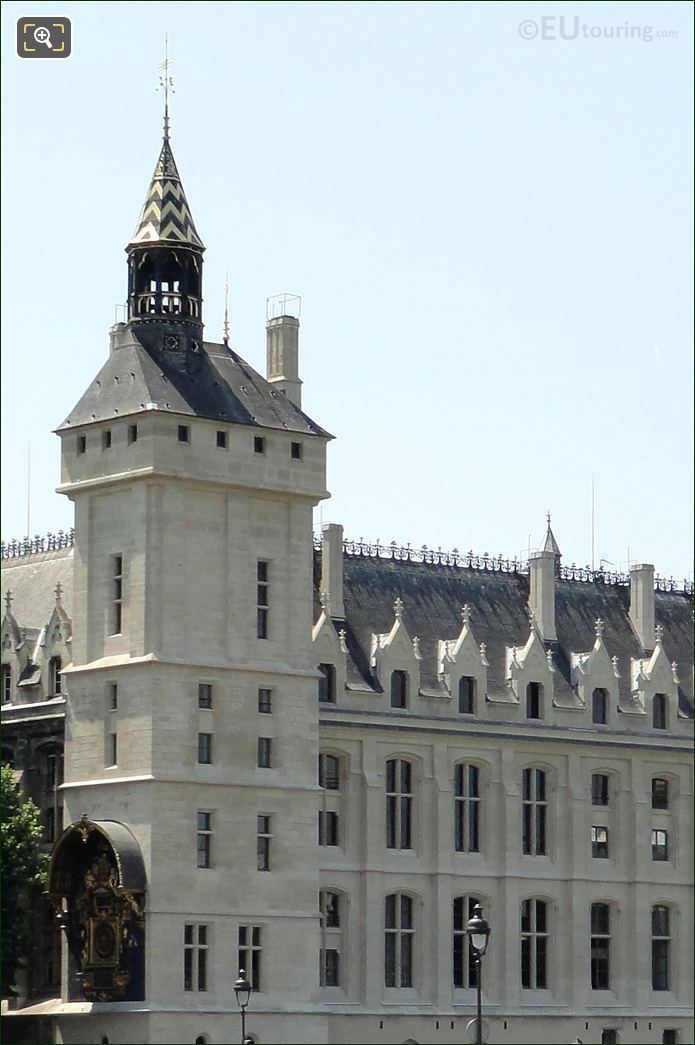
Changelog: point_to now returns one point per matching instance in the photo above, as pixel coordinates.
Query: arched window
(534, 944)
(534, 700)
(331, 909)
(464, 969)
(661, 948)
(327, 684)
(600, 947)
(534, 812)
(466, 695)
(599, 707)
(466, 808)
(398, 940)
(399, 804)
(659, 711)
(399, 689)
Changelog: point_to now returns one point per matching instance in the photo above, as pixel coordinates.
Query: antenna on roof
(593, 522)
(29, 489)
(225, 327)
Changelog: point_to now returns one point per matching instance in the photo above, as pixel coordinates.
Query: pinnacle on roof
(551, 544)
(166, 217)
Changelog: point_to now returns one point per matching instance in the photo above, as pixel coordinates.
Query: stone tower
(191, 734)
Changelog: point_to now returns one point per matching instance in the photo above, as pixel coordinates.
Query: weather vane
(166, 84)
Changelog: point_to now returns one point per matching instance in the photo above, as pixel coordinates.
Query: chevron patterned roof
(166, 216)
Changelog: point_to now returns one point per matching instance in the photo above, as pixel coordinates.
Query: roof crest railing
(17, 548)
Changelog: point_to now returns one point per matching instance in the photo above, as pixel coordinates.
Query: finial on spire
(166, 84)
(225, 327)
(599, 627)
(8, 600)
(58, 591)
(548, 519)
(659, 632)
(466, 614)
(398, 607)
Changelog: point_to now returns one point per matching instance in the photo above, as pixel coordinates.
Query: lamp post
(478, 929)
(242, 989)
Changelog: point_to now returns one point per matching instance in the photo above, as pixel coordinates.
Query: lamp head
(478, 929)
(242, 989)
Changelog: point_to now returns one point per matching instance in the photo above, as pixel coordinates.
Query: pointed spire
(550, 544)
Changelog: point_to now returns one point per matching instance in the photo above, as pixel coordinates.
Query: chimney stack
(332, 567)
(282, 356)
(642, 603)
(542, 592)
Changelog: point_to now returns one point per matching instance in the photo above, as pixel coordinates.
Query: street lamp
(478, 929)
(242, 989)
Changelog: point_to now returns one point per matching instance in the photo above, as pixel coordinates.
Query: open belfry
(311, 758)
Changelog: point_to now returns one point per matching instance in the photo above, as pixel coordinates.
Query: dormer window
(399, 689)
(55, 681)
(466, 695)
(659, 711)
(6, 683)
(534, 697)
(599, 707)
(327, 684)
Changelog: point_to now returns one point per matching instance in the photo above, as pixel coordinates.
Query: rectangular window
(55, 666)
(249, 953)
(599, 707)
(51, 773)
(399, 689)
(599, 843)
(669, 1036)
(329, 772)
(464, 967)
(534, 945)
(467, 808)
(399, 804)
(184, 433)
(262, 599)
(6, 683)
(327, 684)
(112, 756)
(599, 789)
(398, 942)
(258, 444)
(221, 439)
(534, 812)
(609, 1036)
(195, 957)
(82, 444)
(205, 696)
(659, 711)
(132, 434)
(265, 753)
(204, 839)
(659, 845)
(265, 701)
(328, 827)
(659, 793)
(113, 696)
(329, 958)
(466, 695)
(600, 947)
(534, 692)
(116, 594)
(205, 749)
(263, 837)
(49, 830)
(106, 439)
(296, 451)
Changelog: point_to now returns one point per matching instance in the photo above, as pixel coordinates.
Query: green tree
(23, 869)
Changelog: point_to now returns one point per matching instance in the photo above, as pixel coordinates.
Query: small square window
(265, 701)
(82, 444)
(106, 439)
(205, 695)
(258, 444)
(132, 434)
(184, 434)
(296, 451)
(221, 439)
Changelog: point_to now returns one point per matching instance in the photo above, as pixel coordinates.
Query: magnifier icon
(42, 36)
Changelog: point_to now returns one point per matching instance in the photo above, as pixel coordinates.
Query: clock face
(104, 940)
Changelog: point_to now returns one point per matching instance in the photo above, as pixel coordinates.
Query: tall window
(399, 689)
(195, 957)
(263, 837)
(329, 816)
(327, 684)
(659, 793)
(116, 594)
(466, 695)
(534, 697)
(6, 683)
(329, 772)
(399, 804)
(534, 944)
(599, 707)
(250, 952)
(329, 968)
(659, 711)
(205, 696)
(467, 808)
(265, 701)
(329, 827)
(112, 746)
(262, 603)
(464, 969)
(204, 839)
(398, 940)
(205, 749)
(265, 753)
(661, 948)
(534, 812)
(55, 666)
(599, 789)
(599, 843)
(659, 845)
(113, 696)
(600, 946)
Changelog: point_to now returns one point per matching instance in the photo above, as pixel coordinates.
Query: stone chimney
(282, 356)
(642, 603)
(542, 592)
(332, 567)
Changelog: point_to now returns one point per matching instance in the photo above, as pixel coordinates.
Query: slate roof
(216, 384)
(433, 595)
(166, 216)
(32, 579)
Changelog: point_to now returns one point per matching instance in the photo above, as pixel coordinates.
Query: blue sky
(490, 234)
